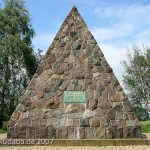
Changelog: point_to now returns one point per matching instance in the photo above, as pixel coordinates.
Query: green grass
(2, 131)
(145, 126)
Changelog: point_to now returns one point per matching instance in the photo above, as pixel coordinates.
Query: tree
(137, 79)
(17, 59)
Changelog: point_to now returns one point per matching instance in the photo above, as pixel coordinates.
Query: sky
(115, 24)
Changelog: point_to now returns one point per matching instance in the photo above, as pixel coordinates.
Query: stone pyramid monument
(74, 93)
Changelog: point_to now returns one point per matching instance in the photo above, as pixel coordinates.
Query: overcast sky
(115, 24)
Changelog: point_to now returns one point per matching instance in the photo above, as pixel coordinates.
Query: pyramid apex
(74, 8)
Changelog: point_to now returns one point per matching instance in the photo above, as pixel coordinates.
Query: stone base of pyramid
(73, 132)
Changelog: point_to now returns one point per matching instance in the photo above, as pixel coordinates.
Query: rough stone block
(105, 122)
(51, 132)
(127, 132)
(109, 133)
(127, 106)
(99, 133)
(132, 115)
(117, 132)
(76, 123)
(79, 132)
(71, 133)
(69, 122)
(26, 122)
(62, 132)
(84, 122)
(35, 123)
(93, 104)
(89, 133)
(94, 122)
(111, 114)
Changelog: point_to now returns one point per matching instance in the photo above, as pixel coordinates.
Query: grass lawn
(145, 126)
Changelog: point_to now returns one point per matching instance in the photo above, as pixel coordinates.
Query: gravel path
(3, 136)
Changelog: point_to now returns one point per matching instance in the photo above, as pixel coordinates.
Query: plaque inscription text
(74, 97)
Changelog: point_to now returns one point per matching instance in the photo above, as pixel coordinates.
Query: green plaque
(74, 97)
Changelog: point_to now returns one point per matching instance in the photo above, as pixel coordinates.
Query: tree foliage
(17, 59)
(137, 79)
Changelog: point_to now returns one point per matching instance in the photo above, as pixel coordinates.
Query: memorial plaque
(74, 97)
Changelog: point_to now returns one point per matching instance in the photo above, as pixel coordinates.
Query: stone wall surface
(74, 62)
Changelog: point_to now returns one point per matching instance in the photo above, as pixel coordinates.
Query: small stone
(16, 114)
(52, 103)
(117, 132)
(108, 69)
(105, 122)
(132, 115)
(94, 122)
(76, 122)
(79, 133)
(61, 133)
(96, 56)
(111, 114)
(84, 122)
(93, 104)
(89, 133)
(63, 43)
(43, 122)
(74, 108)
(108, 132)
(99, 133)
(49, 122)
(88, 113)
(57, 113)
(32, 93)
(122, 123)
(92, 41)
(136, 132)
(21, 108)
(72, 34)
(129, 123)
(48, 95)
(119, 88)
(71, 134)
(69, 122)
(98, 112)
(64, 85)
(104, 63)
(76, 46)
(127, 132)
(26, 122)
(114, 123)
(74, 115)
(51, 132)
(35, 123)
(125, 117)
(39, 70)
(12, 122)
(127, 106)
(40, 94)
(137, 123)
(119, 115)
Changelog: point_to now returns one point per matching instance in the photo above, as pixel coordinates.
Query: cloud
(114, 54)
(43, 41)
(124, 11)
(113, 32)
